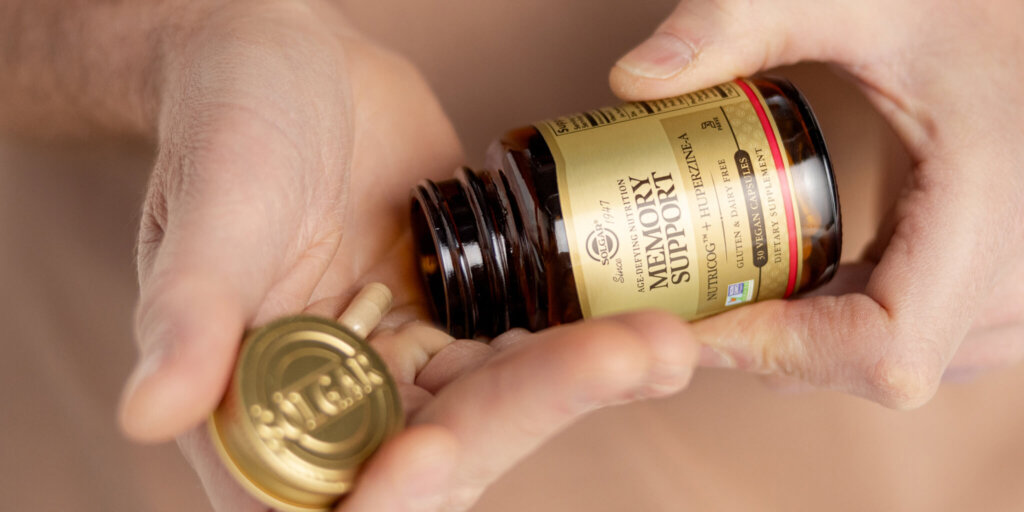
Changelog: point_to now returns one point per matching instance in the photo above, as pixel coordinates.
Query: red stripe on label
(780, 166)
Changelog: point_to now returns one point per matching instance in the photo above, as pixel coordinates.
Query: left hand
(475, 409)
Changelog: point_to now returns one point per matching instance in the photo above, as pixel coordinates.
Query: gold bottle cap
(309, 402)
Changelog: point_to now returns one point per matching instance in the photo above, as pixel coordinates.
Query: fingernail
(660, 56)
(715, 358)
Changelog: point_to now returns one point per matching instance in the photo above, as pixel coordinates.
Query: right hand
(941, 291)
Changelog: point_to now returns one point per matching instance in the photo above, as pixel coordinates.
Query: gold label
(682, 204)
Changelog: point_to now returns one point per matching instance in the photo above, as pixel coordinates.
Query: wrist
(242, 51)
(86, 69)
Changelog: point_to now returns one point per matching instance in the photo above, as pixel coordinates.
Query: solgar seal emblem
(693, 204)
(309, 402)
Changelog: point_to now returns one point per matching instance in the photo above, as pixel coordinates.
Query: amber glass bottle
(694, 204)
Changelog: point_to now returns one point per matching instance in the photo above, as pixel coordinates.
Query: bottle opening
(460, 255)
(432, 244)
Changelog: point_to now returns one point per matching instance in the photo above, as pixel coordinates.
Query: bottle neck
(461, 242)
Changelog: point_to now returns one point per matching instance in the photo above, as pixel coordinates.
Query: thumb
(707, 42)
(220, 250)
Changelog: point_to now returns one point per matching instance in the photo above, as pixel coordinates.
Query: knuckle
(635, 359)
(694, 39)
(654, 321)
(151, 229)
(165, 182)
(904, 381)
(698, 23)
(604, 361)
(784, 351)
(606, 345)
(155, 205)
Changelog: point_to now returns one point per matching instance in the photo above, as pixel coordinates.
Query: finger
(996, 339)
(407, 350)
(464, 356)
(502, 411)
(509, 339)
(891, 340)
(221, 263)
(221, 487)
(404, 351)
(457, 359)
(707, 42)
(410, 473)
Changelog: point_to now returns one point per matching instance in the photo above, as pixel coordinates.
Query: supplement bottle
(695, 204)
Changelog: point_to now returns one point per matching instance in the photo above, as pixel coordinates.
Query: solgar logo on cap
(308, 403)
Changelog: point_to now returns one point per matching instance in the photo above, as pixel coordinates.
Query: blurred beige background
(68, 214)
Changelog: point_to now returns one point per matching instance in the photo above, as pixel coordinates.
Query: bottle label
(682, 204)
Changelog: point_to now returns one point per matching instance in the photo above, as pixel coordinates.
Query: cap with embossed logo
(308, 403)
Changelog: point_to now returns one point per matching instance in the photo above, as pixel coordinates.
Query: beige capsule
(309, 402)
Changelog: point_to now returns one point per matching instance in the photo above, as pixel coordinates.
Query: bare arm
(74, 67)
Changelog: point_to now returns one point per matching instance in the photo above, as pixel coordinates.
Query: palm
(353, 155)
(288, 150)
(401, 137)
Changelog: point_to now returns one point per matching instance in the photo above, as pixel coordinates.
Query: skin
(939, 292)
(280, 131)
(249, 163)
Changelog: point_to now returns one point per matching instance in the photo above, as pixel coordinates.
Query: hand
(941, 290)
(287, 149)
(475, 408)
